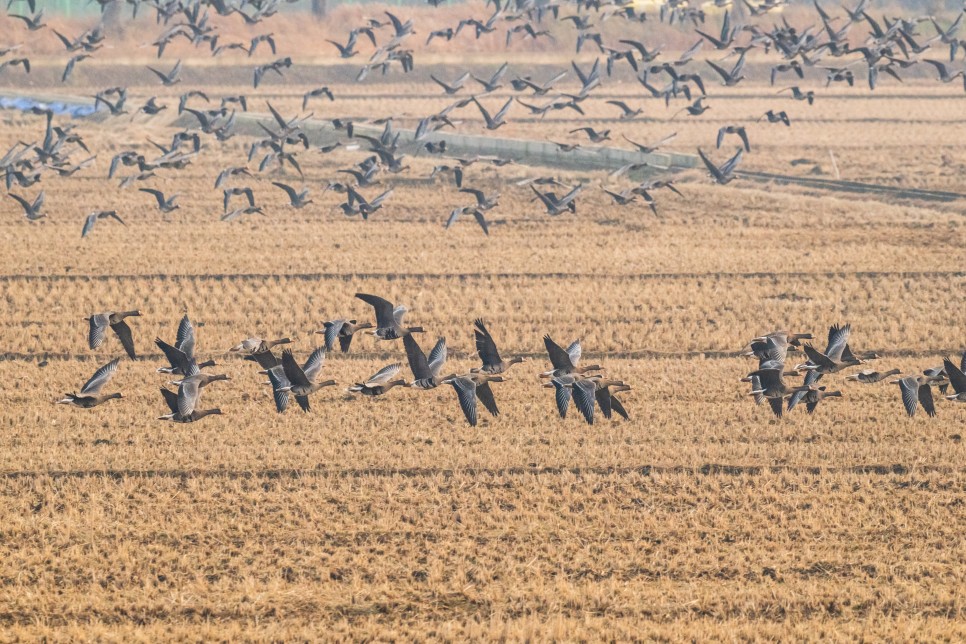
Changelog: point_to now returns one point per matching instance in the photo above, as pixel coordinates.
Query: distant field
(702, 517)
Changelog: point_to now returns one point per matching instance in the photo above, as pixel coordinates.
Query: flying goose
(425, 370)
(489, 355)
(868, 376)
(171, 400)
(90, 394)
(726, 173)
(916, 391)
(343, 330)
(565, 361)
(388, 318)
(380, 382)
(289, 378)
(189, 390)
(473, 387)
(99, 322)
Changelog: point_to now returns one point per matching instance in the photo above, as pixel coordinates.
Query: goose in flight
(388, 318)
(97, 329)
(343, 330)
(90, 394)
(299, 381)
(425, 370)
(380, 382)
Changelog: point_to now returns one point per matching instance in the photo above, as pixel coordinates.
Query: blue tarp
(22, 103)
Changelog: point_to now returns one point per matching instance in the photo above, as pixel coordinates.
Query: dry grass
(701, 518)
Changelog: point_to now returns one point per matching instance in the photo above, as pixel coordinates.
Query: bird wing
(838, 337)
(574, 351)
(776, 406)
(382, 307)
(485, 346)
(175, 356)
(289, 190)
(98, 326)
(437, 356)
(604, 401)
(910, 394)
(100, 377)
(170, 399)
(383, 375)
(399, 313)
(583, 392)
(817, 358)
(188, 392)
(712, 168)
(293, 372)
(481, 220)
(88, 225)
(733, 162)
(332, 330)
(503, 110)
(811, 378)
(417, 359)
(925, 399)
(619, 408)
(123, 332)
(303, 402)
(466, 392)
(314, 364)
(186, 337)
(480, 197)
(562, 397)
(485, 396)
(559, 358)
(27, 207)
(279, 389)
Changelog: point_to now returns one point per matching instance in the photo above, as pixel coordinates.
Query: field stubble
(701, 517)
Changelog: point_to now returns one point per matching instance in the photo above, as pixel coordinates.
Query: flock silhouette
(834, 45)
(584, 385)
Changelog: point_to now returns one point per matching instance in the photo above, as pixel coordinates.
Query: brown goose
(425, 370)
(565, 362)
(289, 378)
(916, 391)
(90, 394)
(171, 400)
(189, 390)
(98, 329)
(868, 376)
(343, 330)
(772, 385)
(472, 387)
(581, 389)
(388, 318)
(606, 395)
(486, 348)
(379, 383)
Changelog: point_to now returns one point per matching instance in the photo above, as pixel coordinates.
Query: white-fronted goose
(489, 354)
(379, 383)
(171, 400)
(99, 322)
(343, 330)
(425, 371)
(90, 394)
(388, 318)
(916, 391)
(289, 378)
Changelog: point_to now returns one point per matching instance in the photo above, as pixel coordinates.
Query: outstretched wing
(186, 337)
(100, 377)
(98, 326)
(558, 357)
(332, 330)
(279, 388)
(417, 359)
(583, 391)
(123, 332)
(437, 356)
(170, 399)
(383, 375)
(314, 364)
(485, 395)
(485, 345)
(466, 392)
(382, 308)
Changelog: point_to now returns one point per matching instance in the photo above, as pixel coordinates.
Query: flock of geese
(828, 46)
(770, 380)
(583, 384)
